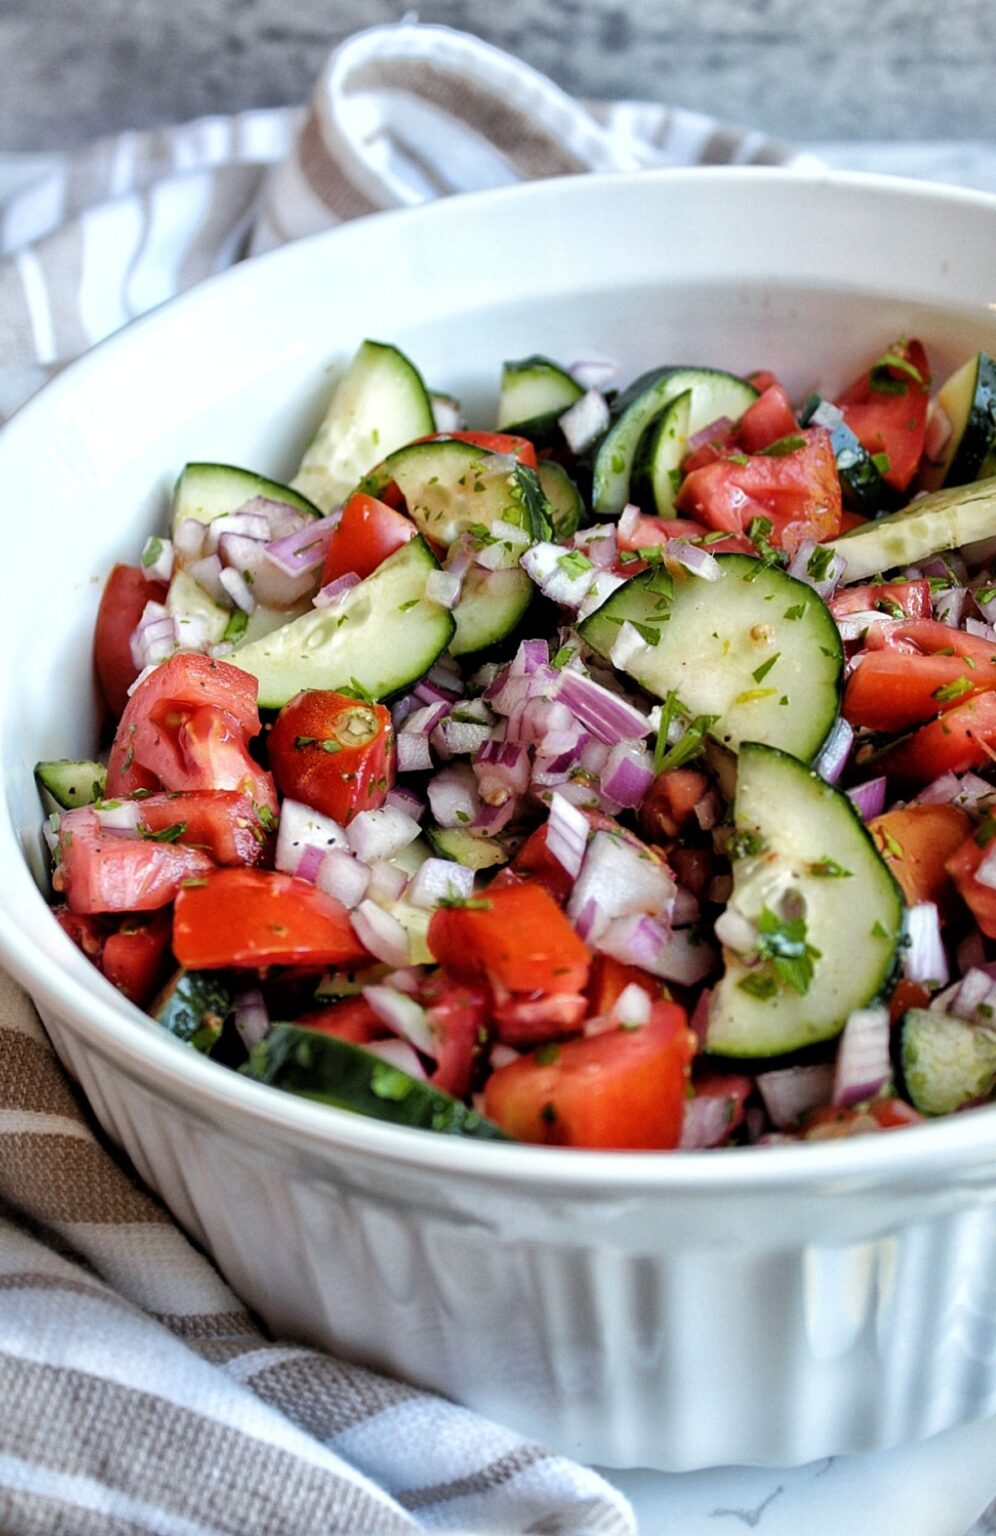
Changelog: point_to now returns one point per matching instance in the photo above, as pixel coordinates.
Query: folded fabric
(138, 1394)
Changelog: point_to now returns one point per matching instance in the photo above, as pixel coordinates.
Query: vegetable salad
(621, 776)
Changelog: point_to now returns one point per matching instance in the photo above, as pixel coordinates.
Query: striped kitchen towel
(400, 115)
(136, 1393)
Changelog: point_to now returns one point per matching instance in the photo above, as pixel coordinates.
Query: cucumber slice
(319, 1066)
(968, 400)
(808, 857)
(451, 487)
(379, 403)
(492, 604)
(206, 491)
(382, 636)
(948, 519)
(861, 480)
(714, 394)
(756, 649)
(467, 848)
(535, 391)
(657, 463)
(946, 1062)
(566, 507)
(194, 1005)
(72, 782)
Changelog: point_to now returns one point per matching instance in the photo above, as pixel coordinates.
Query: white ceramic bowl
(633, 1309)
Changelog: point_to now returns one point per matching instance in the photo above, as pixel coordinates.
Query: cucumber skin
(194, 1006)
(53, 775)
(318, 1066)
(979, 435)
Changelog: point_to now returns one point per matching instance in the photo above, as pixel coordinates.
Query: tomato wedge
(916, 843)
(886, 409)
(963, 738)
(122, 603)
(134, 955)
(768, 420)
(351, 1019)
(102, 871)
(458, 1017)
(368, 531)
(962, 866)
(492, 442)
(798, 492)
(932, 638)
(623, 1090)
(515, 937)
(252, 917)
(893, 599)
(334, 753)
(651, 531)
(223, 822)
(893, 691)
(671, 801)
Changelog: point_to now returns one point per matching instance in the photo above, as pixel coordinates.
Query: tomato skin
(671, 801)
(927, 836)
(222, 821)
(533, 861)
(458, 1018)
(172, 692)
(134, 956)
(126, 592)
(368, 531)
(609, 979)
(979, 898)
(351, 1019)
(769, 418)
(651, 531)
(913, 597)
(799, 493)
(522, 1020)
(907, 994)
(200, 749)
(893, 691)
(894, 424)
(830, 1122)
(930, 637)
(961, 739)
(492, 442)
(356, 775)
(624, 1089)
(520, 941)
(253, 918)
(102, 871)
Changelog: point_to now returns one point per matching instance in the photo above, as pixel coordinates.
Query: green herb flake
(387, 1082)
(829, 869)
(753, 695)
(783, 944)
(879, 931)
(819, 563)
(689, 746)
(761, 672)
(986, 832)
(563, 657)
(951, 691)
(546, 1055)
(797, 611)
(783, 446)
(153, 549)
(881, 462)
(467, 903)
(574, 564)
(165, 834)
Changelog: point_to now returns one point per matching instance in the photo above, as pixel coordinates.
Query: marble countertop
(939, 1487)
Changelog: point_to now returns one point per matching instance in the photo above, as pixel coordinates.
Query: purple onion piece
(868, 798)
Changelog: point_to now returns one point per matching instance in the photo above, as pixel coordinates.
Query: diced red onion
(459, 738)
(971, 952)
(623, 880)
(445, 673)
(629, 520)
(567, 834)
(973, 998)
(453, 795)
(122, 816)
(501, 769)
(380, 834)
(404, 799)
(446, 413)
(835, 752)
(381, 933)
(437, 880)
(492, 819)
(397, 1053)
(343, 877)
(827, 585)
(544, 564)
(246, 525)
(698, 1023)
(716, 428)
(855, 626)
(985, 873)
(250, 1016)
(950, 605)
(444, 588)
(502, 1056)
(387, 883)
(154, 640)
(736, 932)
(863, 1065)
(647, 943)
(188, 540)
(790, 1092)
(157, 559)
(605, 714)
(979, 628)
(924, 958)
(633, 1005)
(685, 908)
(693, 558)
(413, 753)
(191, 631)
(938, 434)
(587, 918)
(422, 722)
(207, 574)
(334, 591)
(238, 589)
(602, 586)
(707, 1121)
(309, 863)
(594, 755)
(686, 958)
(708, 810)
(585, 421)
(303, 550)
(302, 827)
(967, 790)
(628, 774)
(627, 646)
(594, 372)
(868, 798)
(403, 1015)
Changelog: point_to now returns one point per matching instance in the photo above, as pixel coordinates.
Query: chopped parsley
(783, 446)
(153, 549)
(951, 691)
(786, 953)
(761, 672)
(819, 563)
(165, 834)
(574, 564)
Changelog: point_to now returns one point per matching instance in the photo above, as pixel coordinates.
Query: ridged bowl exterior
(671, 1311)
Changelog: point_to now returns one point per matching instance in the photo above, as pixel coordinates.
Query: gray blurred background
(806, 70)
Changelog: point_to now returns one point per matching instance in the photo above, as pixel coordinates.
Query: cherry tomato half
(334, 753)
